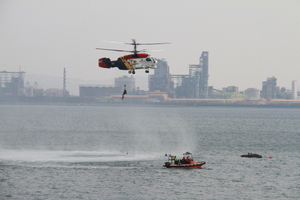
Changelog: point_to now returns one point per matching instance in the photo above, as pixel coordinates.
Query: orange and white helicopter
(133, 61)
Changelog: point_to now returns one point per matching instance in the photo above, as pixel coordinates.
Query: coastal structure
(269, 88)
(194, 85)
(161, 79)
(65, 92)
(189, 89)
(101, 91)
(12, 83)
(252, 92)
(230, 89)
(129, 81)
(97, 91)
(294, 90)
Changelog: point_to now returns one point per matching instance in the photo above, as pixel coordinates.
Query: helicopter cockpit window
(148, 59)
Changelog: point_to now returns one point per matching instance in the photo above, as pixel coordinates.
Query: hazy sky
(247, 40)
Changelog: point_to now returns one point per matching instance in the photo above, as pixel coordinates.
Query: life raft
(255, 155)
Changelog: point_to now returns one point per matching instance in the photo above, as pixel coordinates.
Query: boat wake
(72, 156)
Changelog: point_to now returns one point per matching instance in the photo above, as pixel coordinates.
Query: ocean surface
(98, 152)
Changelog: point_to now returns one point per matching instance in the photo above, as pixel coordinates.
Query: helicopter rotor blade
(120, 50)
(157, 50)
(135, 44)
(143, 50)
(152, 43)
(112, 42)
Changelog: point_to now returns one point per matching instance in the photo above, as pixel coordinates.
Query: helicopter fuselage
(130, 62)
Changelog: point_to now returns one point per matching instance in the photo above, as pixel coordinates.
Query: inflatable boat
(186, 162)
(252, 155)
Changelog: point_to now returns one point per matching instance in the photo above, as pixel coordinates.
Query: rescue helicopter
(133, 61)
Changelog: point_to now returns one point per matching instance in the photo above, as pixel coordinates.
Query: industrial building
(194, 85)
(11, 83)
(54, 92)
(98, 91)
(282, 93)
(230, 89)
(182, 85)
(161, 79)
(269, 88)
(125, 80)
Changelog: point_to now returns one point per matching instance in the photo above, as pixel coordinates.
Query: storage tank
(252, 92)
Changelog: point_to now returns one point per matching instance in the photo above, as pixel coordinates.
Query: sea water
(106, 152)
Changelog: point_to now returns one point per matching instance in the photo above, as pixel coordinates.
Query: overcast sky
(247, 40)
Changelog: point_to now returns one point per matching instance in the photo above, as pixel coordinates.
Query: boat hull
(188, 166)
(252, 156)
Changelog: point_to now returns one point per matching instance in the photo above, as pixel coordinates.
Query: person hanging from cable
(124, 92)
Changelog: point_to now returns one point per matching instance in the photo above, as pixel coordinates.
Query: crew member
(175, 160)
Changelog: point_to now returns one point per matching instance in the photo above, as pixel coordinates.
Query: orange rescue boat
(186, 162)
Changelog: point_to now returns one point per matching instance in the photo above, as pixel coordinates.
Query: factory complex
(186, 89)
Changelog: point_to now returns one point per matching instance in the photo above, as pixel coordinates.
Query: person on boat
(184, 160)
(175, 160)
(188, 160)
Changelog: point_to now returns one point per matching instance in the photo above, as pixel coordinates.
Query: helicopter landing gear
(131, 71)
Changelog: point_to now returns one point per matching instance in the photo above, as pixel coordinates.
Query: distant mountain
(72, 84)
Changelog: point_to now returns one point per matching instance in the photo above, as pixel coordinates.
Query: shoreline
(77, 101)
